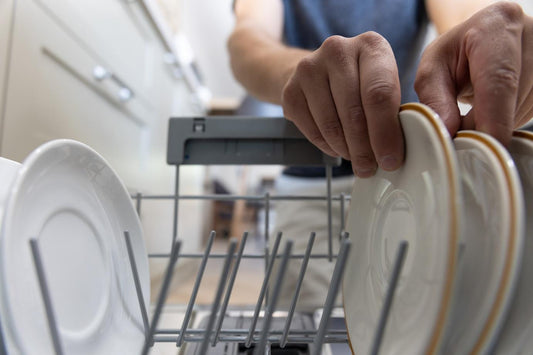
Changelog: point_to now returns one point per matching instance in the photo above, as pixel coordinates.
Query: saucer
(67, 197)
(517, 331)
(419, 203)
(491, 243)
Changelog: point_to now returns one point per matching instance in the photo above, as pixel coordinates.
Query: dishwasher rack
(240, 140)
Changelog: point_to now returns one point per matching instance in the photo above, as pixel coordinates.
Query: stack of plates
(465, 285)
(67, 197)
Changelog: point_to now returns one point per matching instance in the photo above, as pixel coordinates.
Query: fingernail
(389, 162)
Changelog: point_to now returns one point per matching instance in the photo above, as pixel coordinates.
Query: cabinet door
(6, 17)
(52, 93)
(118, 32)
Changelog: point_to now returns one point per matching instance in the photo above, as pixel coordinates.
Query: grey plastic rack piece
(237, 140)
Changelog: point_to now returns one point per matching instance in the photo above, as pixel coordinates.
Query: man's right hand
(345, 98)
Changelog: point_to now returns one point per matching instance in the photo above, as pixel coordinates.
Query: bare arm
(259, 59)
(449, 13)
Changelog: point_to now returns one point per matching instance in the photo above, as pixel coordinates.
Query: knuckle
(506, 77)
(363, 160)
(334, 49)
(332, 130)
(509, 11)
(379, 93)
(289, 96)
(356, 123)
(334, 44)
(372, 40)
(306, 66)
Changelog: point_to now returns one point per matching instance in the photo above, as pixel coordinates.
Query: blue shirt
(403, 23)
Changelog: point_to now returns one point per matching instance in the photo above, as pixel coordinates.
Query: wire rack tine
(176, 206)
(303, 268)
(218, 297)
(329, 175)
(267, 216)
(260, 348)
(138, 288)
(194, 293)
(229, 289)
(138, 201)
(332, 294)
(342, 216)
(45, 294)
(162, 296)
(3, 347)
(389, 297)
(264, 287)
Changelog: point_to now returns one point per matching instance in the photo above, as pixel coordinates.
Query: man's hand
(345, 97)
(486, 61)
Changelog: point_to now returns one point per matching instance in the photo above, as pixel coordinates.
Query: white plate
(492, 241)
(67, 197)
(419, 203)
(517, 332)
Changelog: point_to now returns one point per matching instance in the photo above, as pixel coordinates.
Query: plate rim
(7, 210)
(433, 118)
(514, 236)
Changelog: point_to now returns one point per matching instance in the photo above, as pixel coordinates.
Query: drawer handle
(124, 92)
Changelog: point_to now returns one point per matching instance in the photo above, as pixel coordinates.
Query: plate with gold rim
(421, 204)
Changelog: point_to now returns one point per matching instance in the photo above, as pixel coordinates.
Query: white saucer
(67, 197)
(517, 333)
(492, 240)
(419, 203)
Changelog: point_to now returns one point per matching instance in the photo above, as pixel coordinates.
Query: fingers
(436, 88)
(484, 58)
(495, 71)
(347, 100)
(345, 111)
(296, 109)
(381, 96)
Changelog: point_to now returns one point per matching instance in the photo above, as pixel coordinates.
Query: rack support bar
(389, 297)
(162, 296)
(332, 294)
(218, 297)
(263, 291)
(45, 294)
(262, 345)
(229, 289)
(138, 288)
(194, 293)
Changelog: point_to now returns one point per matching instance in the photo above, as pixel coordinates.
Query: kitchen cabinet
(103, 72)
(94, 71)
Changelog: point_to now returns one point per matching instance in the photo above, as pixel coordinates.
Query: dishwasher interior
(262, 327)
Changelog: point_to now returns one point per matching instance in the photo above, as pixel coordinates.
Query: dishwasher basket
(241, 141)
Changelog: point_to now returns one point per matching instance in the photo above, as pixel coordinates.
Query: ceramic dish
(419, 203)
(517, 332)
(491, 242)
(67, 197)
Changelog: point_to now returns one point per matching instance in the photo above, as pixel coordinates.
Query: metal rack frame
(277, 132)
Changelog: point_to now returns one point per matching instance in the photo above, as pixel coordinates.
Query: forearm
(449, 13)
(261, 63)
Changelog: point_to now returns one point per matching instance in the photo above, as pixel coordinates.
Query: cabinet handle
(124, 92)
(172, 62)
